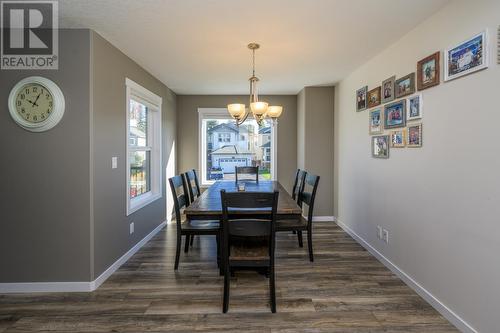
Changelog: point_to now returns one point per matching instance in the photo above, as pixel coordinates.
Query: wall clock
(36, 104)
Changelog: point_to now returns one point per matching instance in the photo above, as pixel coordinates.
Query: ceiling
(199, 46)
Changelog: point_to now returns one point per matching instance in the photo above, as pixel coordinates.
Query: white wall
(441, 203)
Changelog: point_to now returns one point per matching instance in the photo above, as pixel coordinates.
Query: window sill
(141, 202)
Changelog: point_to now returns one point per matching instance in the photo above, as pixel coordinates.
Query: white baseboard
(49, 287)
(455, 319)
(324, 218)
(123, 259)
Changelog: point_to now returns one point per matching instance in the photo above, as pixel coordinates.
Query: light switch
(114, 162)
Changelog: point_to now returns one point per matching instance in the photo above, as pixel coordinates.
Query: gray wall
(187, 130)
(111, 225)
(440, 202)
(315, 141)
(45, 192)
(63, 207)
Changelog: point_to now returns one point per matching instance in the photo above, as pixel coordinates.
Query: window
(252, 145)
(224, 137)
(143, 147)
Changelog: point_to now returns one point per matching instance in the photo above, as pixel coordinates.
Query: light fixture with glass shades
(260, 110)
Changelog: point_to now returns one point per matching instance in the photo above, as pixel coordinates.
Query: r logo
(29, 28)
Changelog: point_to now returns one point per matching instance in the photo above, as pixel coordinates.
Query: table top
(209, 203)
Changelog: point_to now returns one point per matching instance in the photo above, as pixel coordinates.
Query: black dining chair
(248, 240)
(298, 185)
(248, 171)
(306, 196)
(186, 227)
(193, 184)
(193, 188)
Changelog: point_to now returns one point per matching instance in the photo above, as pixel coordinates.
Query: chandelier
(260, 110)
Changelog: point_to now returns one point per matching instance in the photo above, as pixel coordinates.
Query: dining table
(208, 205)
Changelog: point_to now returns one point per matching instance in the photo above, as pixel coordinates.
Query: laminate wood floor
(344, 290)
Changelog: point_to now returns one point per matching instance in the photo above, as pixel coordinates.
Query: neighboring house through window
(225, 146)
(143, 146)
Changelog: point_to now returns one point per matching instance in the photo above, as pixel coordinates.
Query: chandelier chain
(253, 62)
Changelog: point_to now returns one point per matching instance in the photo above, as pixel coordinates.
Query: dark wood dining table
(208, 205)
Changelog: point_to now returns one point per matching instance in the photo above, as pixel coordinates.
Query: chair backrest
(193, 184)
(248, 170)
(308, 194)
(248, 224)
(180, 194)
(298, 185)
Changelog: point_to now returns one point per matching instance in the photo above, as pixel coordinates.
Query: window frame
(153, 103)
(222, 114)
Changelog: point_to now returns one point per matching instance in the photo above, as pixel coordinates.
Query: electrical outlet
(379, 232)
(114, 162)
(385, 236)
(131, 228)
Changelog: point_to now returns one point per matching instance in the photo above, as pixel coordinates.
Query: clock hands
(36, 100)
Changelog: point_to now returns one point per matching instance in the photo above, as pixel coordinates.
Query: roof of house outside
(266, 145)
(265, 130)
(231, 150)
(134, 131)
(231, 127)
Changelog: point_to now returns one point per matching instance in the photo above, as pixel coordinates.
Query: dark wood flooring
(344, 290)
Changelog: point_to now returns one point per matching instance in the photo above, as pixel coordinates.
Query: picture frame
(387, 94)
(374, 97)
(498, 45)
(414, 136)
(466, 57)
(395, 114)
(376, 122)
(414, 107)
(361, 98)
(405, 86)
(380, 146)
(428, 71)
(398, 138)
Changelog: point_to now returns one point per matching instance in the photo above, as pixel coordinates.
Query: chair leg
(225, 302)
(219, 256)
(299, 236)
(272, 290)
(191, 242)
(310, 245)
(186, 244)
(178, 251)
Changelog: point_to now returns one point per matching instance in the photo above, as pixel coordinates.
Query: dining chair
(298, 185)
(248, 240)
(306, 196)
(193, 184)
(249, 171)
(194, 190)
(186, 227)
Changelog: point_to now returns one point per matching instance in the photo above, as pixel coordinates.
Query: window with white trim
(224, 146)
(143, 146)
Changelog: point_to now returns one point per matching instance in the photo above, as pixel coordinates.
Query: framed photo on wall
(467, 57)
(376, 124)
(398, 138)
(374, 97)
(395, 114)
(361, 102)
(414, 105)
(380, 146)
(428, 71)
(405, 85)
(414, 137)
(388, 89)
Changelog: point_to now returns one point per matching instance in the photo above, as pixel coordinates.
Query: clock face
(34, 103)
